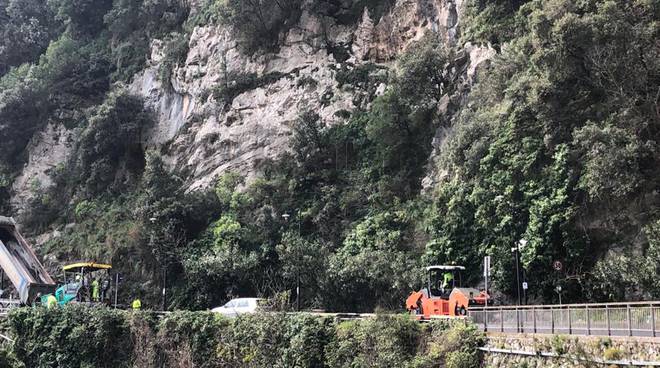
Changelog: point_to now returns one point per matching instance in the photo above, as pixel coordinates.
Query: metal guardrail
(602, 319)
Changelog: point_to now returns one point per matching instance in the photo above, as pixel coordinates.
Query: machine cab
(442, 280)
(85, 282)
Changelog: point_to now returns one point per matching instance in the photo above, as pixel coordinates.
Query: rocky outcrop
(410, 20)
(465, 69)
(203, 131)
(206, 136)
(46, 151)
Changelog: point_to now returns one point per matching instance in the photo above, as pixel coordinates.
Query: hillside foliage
(556, 143)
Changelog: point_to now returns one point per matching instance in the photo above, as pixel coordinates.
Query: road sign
(524, 286)
(557, 265)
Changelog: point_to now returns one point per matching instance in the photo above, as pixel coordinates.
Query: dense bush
(350, 11)
(493, 21)
(259, 23)
(26, 28)
(77, 336)
(133, 23)
(70, 337)
(78, 72)
(109, 151)
(235, 84)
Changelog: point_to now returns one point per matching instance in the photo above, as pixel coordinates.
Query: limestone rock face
(46, 151)
(225, 110)
(409, 20)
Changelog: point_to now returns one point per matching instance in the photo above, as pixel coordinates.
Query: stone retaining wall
(570, 351)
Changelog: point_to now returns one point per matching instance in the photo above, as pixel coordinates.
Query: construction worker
(447, 280)
(51, 301)
(105, 285)
(137, 304)
(95, 290)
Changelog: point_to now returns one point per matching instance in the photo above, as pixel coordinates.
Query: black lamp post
(286, 218)
(516, 250)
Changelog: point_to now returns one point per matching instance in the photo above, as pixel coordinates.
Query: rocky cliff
(203, 135)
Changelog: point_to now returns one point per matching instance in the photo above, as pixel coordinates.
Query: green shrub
(190, 339)
(260, 23)
(112, 141)
(176, 50)
(613, 353)
(133, 24)
(456, 343)
(462, 359)
(235, 85)
(362, 76)
(26, 29)
(350, 12)
(380, 342)
(75, 336)
(559, 344)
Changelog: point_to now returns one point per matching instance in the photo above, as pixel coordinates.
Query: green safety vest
(51, 301)
(447, 278)
(137, 304)
(95, 290)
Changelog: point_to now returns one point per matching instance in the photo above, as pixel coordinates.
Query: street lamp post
(286, 218)
(558, 290)
(516, 250)
(163, 264)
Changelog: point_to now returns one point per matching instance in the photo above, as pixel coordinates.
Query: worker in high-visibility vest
(137, 304)
(447, 280)
(51, 301)
(95, 290)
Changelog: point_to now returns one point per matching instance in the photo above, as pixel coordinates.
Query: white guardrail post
(588, 321)
(552, 320)
(652, 320)
(628, 319)
(501, 320)
(486, 319)
(609, 326)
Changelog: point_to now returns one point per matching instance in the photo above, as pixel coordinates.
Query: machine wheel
(419, 311)
(461, 311)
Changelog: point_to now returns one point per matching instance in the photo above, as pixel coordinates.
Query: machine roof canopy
(89, 265)
(445, 268)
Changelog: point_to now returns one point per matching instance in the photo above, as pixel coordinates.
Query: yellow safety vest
(95, 290)
(137, 304)
(448, 277)
(51, 301)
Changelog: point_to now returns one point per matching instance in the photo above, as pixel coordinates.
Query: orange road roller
(443, 295)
